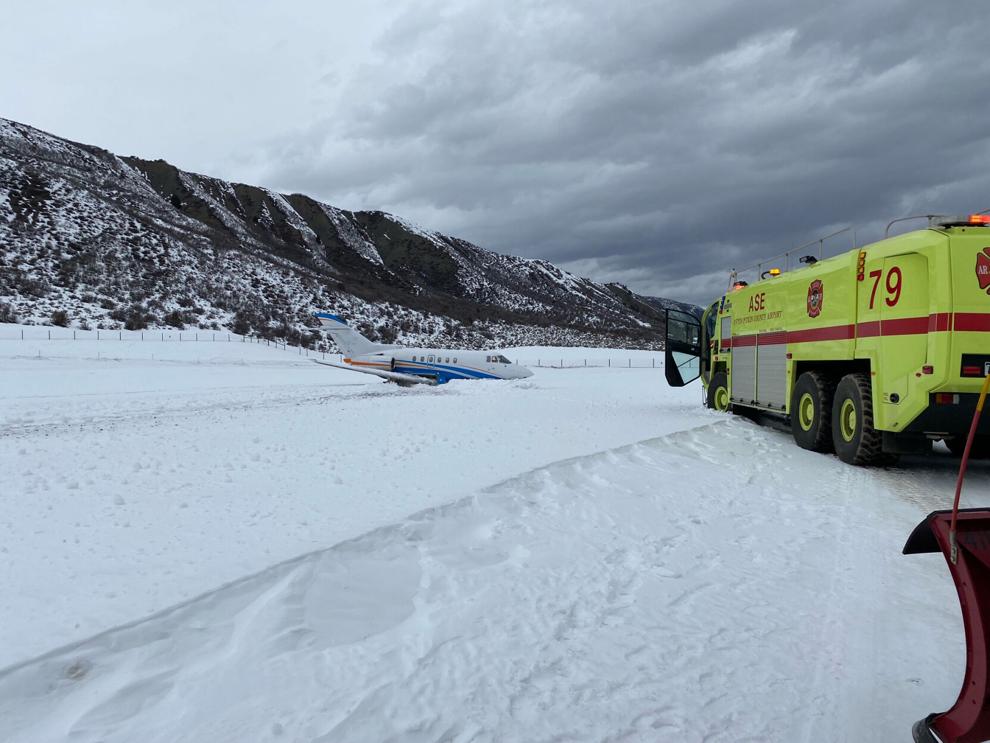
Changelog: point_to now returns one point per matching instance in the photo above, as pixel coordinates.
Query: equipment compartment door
(771, 370)
(743, 377)
(902, 297)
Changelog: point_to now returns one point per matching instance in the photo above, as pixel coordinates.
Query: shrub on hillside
(7, 313)
(136, 318)
(60, 318)
(241, 324)
(174, 319)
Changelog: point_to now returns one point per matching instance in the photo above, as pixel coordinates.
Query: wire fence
(57, 334)
(72, 334)
(611, 362)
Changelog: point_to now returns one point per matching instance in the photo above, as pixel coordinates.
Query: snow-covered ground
(223, 541)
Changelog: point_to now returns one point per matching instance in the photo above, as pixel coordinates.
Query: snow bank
(693, 587)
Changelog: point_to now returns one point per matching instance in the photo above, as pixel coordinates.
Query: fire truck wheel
(856, 440)
(718, 393)
(811, 412)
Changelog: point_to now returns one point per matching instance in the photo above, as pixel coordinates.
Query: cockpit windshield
(502, 360)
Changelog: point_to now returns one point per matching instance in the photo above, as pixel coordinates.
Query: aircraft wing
(397, 377)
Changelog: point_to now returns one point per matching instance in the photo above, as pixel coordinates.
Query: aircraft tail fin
(350, 341)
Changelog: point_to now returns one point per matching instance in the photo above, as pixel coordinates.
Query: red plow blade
(968, 720)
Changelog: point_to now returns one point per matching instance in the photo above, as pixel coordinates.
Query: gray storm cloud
(658, 144)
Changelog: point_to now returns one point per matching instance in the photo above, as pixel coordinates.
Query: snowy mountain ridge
(88, 238)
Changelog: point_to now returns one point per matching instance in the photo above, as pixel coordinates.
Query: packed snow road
(588, 556)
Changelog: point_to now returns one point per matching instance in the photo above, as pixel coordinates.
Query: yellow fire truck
(875, 352)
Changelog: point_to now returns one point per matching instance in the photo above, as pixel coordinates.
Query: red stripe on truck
(934, 323)
(898, 326)
(772, 339)
(971, 322)
(939, 321)
(828, 333)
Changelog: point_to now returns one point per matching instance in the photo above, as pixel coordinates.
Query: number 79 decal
(893, 285)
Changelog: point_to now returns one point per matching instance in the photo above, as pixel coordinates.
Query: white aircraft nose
(524, 372)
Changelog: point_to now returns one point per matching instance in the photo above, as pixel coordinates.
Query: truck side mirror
(683, 348)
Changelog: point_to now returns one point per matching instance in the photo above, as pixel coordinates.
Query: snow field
(131, 484)
(587, 600)
(590, 556)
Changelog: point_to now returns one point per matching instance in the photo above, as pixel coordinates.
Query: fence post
(654, 360)
(97, 335)
(180, 336)
(142, 335)
(163, 336)
(630, 363)
(22, 333)
(120, 335)
(49, 335)
(609, 362)
(73, 335)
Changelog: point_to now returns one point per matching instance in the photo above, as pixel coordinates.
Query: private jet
(408, 366)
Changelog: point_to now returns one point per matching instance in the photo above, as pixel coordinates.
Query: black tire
(717, 397)
(980, 450)
(856, 440)
(811, 412)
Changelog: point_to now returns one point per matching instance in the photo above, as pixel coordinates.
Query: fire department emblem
(816, 293)
(983, 269)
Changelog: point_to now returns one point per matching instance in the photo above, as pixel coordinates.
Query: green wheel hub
(721, 398)
(806, 411)
(848, 421)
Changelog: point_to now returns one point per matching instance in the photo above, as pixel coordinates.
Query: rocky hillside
(91, 239)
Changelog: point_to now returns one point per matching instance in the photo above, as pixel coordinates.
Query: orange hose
(953, 549)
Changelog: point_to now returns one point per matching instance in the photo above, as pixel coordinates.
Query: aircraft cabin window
(455, 359)
(447, 360)
(431, 358)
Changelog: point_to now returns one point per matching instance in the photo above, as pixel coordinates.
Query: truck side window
(726, 328)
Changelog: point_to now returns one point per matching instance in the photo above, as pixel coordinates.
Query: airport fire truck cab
(875, 352)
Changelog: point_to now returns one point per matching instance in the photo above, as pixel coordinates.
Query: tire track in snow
(173, 408)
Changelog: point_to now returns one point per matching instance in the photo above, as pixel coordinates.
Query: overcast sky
(654, 143)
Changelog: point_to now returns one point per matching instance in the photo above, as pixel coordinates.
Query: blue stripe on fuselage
(443, 372)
